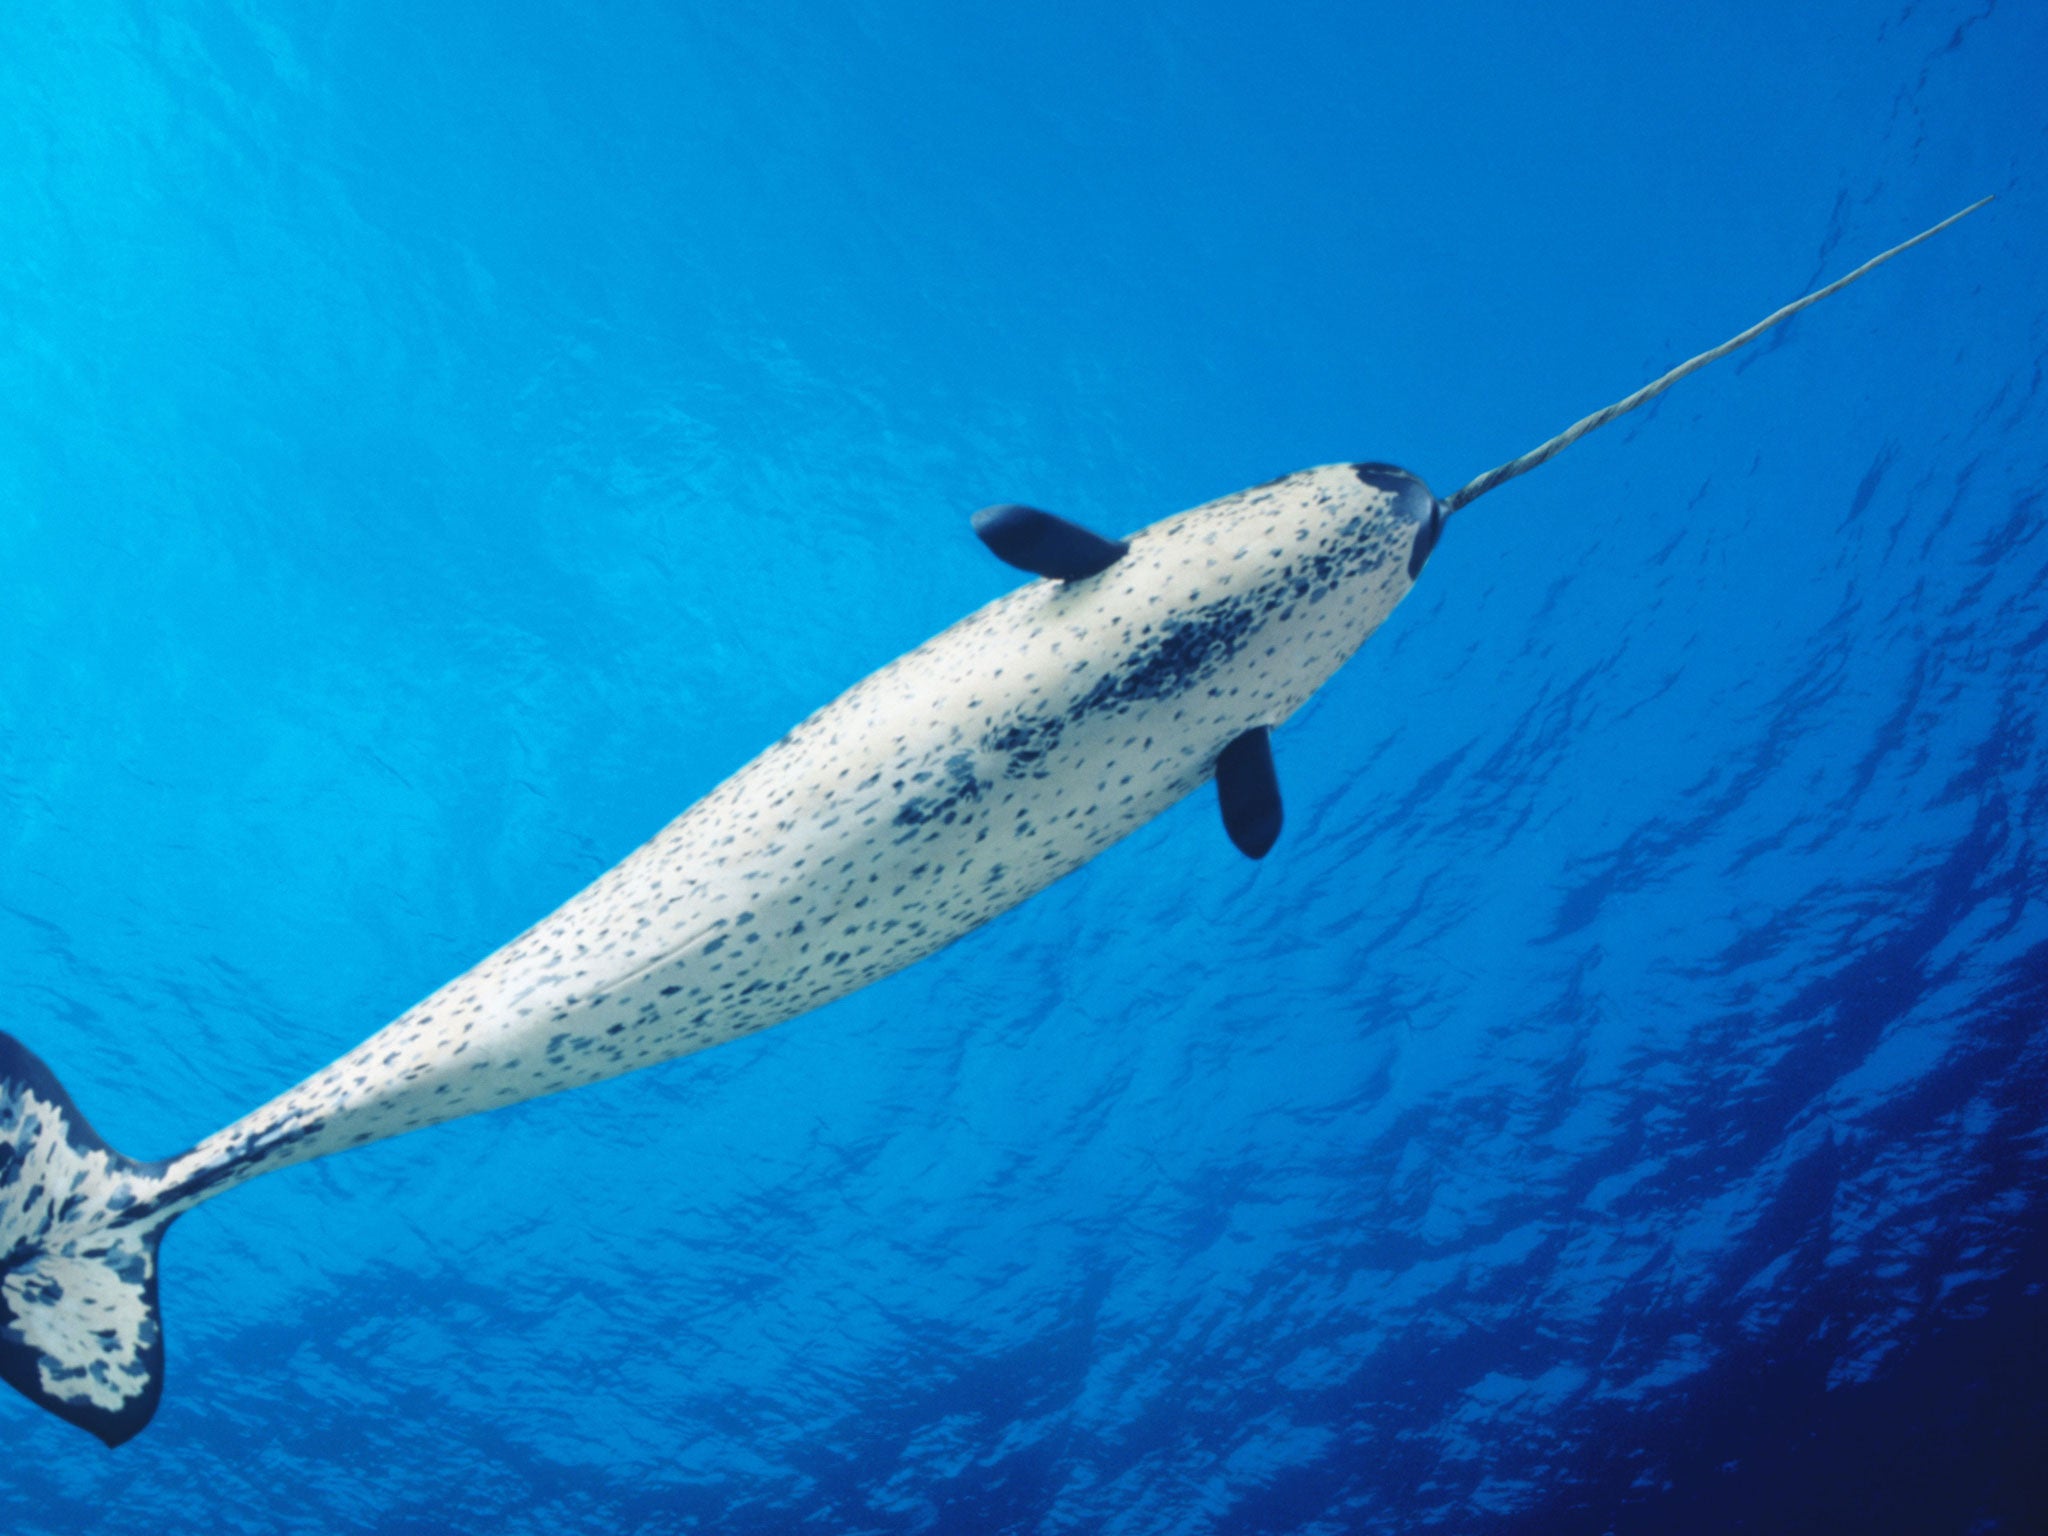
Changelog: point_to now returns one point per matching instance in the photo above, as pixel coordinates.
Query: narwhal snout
(1414, 501)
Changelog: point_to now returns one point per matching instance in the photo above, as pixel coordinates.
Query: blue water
(438, 443)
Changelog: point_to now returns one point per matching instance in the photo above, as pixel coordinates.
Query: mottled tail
(79, 1328)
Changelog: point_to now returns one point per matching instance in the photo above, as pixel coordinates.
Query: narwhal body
(936, 794)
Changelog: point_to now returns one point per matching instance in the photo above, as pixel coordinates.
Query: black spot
(258, 1147)
(1025, 742)
(1182, 653)
(962, 786)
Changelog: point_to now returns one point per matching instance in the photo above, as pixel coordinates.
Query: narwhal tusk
(1475, 489)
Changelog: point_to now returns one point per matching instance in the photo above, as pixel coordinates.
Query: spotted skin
(934, 795)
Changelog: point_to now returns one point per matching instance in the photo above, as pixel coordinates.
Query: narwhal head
(1258, 597)
(1412, 501)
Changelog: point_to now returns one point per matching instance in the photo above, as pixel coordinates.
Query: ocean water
(438, 443)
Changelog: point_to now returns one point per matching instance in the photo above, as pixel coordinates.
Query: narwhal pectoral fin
(80, 1333)
(1248, 790)
(1045, 545)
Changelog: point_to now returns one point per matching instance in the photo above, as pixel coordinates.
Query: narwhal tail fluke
(79, 1329)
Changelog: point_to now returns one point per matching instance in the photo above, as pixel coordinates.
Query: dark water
(438, 443)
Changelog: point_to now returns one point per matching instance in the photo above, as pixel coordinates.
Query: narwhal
(934, 795)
